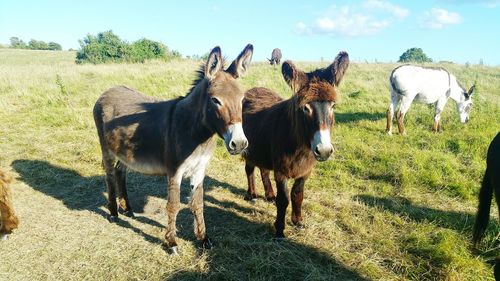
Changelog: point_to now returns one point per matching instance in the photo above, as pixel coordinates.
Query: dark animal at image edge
(275, 57)
(173, 138)
(490, 185)
(288, 136)
(8, 219)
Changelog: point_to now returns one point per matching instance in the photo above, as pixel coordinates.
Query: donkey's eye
(216, 101)
(307, 109)
(334, 105)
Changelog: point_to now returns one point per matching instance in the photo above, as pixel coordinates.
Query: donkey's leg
(390, 111)
(108, 162)
(251, 194)
(268, 187)
(196, 206)
(173, 205)
(437, 115)
(297, 198)
(121, 183)
(403, 108)
(282, 200)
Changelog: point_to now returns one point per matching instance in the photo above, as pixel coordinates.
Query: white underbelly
(144, 167)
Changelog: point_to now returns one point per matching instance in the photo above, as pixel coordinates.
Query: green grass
(383, 208)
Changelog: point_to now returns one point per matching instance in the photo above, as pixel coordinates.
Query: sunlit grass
(383, 208)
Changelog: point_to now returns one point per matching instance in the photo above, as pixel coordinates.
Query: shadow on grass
(459, 221)
(244, 250)
(347, 117)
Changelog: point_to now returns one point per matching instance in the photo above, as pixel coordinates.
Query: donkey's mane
(316, 90)
(200, 76)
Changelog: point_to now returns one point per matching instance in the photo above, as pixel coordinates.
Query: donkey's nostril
(316, 151)
(232, 145)
(245, 144)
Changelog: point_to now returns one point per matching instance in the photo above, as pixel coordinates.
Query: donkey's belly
(149, 167)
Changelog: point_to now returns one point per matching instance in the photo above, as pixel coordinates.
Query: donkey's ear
(335, 71)
(241, 63)
(295, 78)
(214, 63)
(471, 90)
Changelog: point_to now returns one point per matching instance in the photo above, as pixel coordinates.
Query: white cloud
(486, 3)
(366, 19)
(438, 18)
(395, 10)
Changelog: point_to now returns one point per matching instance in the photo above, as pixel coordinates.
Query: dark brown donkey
(288, 136)
(172, 138)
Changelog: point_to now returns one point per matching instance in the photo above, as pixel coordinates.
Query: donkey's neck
(194, 105)
(298, 130)
(455, 89)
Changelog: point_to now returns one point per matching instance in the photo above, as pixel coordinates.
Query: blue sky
(456, 30)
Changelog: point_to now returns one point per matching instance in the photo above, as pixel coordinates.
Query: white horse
(426, 85)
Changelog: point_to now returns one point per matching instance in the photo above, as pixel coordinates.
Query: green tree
(414, 55)
(108, 47)
(38, 45)
(54, 46)
(17, 43)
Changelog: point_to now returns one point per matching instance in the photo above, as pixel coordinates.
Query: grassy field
(383, 208)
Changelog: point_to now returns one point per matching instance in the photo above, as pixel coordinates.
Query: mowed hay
(383, 208)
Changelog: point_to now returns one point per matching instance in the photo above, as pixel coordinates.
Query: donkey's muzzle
(235, 140)
(321, 145)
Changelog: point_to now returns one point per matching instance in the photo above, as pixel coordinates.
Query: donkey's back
(131, 127)
(427, 84)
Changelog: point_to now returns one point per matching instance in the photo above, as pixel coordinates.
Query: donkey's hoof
(170, 250)
(250, 197)
(4, 237)
(112, 219)
(299, 225)
(388, 133)
(207, 243)
(271, 198)
(278, 239)
(129, 214)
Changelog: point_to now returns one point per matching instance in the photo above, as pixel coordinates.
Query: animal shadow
(78, 192)
(241, 244)
(458, 221)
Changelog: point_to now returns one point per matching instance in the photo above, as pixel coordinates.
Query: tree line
(108, 47)
(33, 44)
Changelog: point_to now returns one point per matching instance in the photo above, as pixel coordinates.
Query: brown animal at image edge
(8, 219)
(172, 138)
(288, 136)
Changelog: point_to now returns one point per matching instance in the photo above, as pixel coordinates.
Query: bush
(108, 47)
(414, 55)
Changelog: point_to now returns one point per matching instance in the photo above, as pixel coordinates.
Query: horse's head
(465, 104)
(315, 98)
(224, 112)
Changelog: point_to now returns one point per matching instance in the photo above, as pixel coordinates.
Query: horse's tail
(483, 210)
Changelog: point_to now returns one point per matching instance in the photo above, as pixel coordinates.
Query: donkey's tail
(483, 210)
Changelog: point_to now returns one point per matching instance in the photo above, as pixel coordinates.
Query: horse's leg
(268, 187)
(173, 205)
(108, 162)
(437, 115)
(297, 198)
(249, 170)
(282, 200)
(8, 220)
(390, 111)
(121, 183)
(403, 108)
